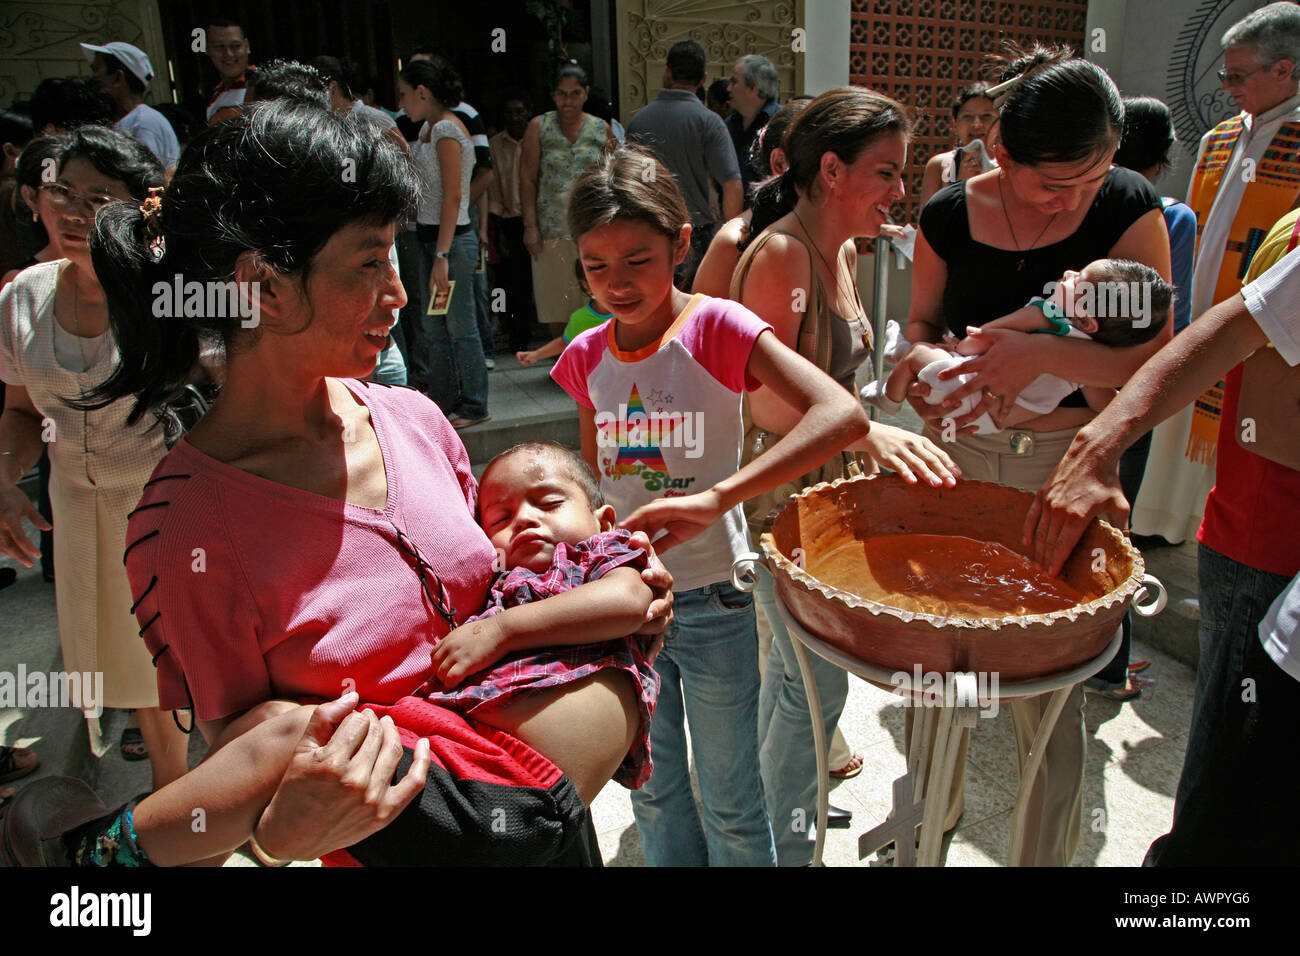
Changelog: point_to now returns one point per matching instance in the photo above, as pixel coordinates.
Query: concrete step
(1174, 629)
(525, 405)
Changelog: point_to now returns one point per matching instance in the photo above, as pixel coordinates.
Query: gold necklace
(833, 273)
(1020, 266)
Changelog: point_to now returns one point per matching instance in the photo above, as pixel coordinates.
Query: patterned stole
(1271, 189)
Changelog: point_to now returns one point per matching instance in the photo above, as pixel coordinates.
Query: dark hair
(225, 22)
(438, 76)
(579, 471)
(628, 183)
(113, 65)
(769, 137)
(516, 93)
(331, 69)
(580, 273)
(972, 92)
(1061, 110)
(686, 62)
(15, 127)
(67, 102)
(720, 91)
(290, 80)
(183, 122)
(842, 121)
(571, 68)
(116, 155)
(31, 168)
(1148, 134)
(266, 181)
(1120, 330)
(31, 161)
(344, 71)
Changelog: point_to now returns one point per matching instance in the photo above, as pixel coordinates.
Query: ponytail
(774, 197)
(279, 180)
(157, 354)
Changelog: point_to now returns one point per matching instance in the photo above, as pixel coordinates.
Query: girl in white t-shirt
(659, 389)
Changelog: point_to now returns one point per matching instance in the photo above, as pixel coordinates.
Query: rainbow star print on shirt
(667, 420)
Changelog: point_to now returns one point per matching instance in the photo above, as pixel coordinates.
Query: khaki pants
(556, 292)
(1052, 817)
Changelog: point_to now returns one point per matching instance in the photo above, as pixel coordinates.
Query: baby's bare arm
(1027, 319)
(613, 606)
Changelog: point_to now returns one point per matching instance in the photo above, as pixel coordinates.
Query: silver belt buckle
(1022, 443)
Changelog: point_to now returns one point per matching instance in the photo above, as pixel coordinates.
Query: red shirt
(1253, 512)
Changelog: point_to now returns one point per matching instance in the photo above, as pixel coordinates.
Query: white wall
(1168, 49)
(826, 60)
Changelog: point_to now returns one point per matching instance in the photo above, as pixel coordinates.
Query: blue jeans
(709, 669)
(1236, 797)
(457, 377)
(391, 370)
(481, 311)
(785, 734)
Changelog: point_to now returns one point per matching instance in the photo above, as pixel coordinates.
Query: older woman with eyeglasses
(55, 346)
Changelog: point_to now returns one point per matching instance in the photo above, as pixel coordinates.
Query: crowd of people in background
(650, 261)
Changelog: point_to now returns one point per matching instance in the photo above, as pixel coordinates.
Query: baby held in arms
(542, 509)
(1116, 302)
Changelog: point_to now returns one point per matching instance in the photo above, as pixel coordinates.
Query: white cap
(131, 57)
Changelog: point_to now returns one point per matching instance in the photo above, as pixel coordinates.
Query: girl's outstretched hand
(680, 518)
(912, 456)
(660, 582)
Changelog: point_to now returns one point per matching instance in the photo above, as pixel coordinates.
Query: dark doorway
(379, 34)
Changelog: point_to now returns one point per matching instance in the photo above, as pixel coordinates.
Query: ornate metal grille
(922, 52)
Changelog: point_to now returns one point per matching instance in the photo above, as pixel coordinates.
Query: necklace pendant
(1020, 266)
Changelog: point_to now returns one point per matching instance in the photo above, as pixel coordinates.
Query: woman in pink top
(312, 537)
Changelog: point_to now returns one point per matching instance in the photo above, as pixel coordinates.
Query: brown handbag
(814, 344)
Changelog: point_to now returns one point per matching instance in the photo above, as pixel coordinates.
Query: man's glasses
(64, 198)
(1235, 79)
(442, 601)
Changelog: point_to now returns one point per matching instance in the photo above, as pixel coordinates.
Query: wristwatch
(442, 255)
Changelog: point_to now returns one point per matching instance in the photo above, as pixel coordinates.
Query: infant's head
(536, 495)
(1117, 302)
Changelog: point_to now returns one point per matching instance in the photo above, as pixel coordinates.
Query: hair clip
(152, 207)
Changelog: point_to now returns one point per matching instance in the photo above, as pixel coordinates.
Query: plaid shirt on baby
(528, 672)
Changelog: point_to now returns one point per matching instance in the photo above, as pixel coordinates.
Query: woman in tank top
(846, 152)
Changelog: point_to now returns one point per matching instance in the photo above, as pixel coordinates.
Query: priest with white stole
(1247, 177)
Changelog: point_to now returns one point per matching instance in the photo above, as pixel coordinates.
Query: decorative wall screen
(38, 39)
(647, 29)
(921, 52)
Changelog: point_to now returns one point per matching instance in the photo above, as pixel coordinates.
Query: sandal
(850, 769)
(17, 762)
(132, 745)
(1132, 690)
